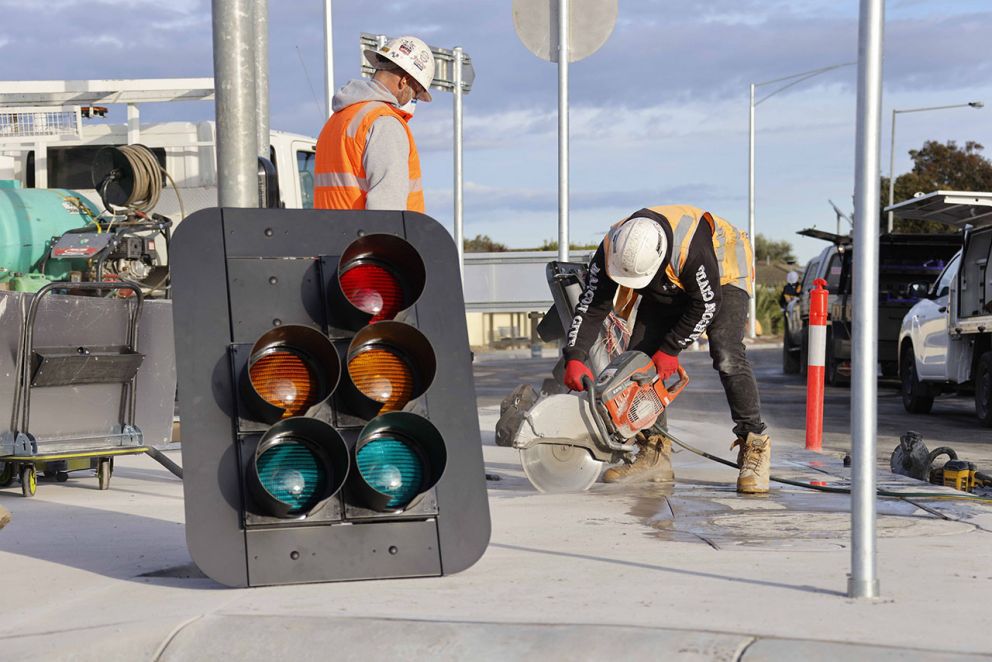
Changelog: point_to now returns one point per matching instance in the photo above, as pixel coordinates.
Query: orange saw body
(632, 395)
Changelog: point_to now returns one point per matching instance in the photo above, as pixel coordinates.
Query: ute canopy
(954, 208)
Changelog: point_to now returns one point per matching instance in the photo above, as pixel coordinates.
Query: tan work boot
(754, 458)
(653, 462)
(4, 517)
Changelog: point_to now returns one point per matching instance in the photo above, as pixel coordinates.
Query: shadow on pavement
(661, 568)
(105, 542)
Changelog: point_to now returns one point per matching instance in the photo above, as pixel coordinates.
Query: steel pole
(262, 77)
(234, 82)
(458, 221)
(751, 307)
(563, 130)
(892, 171)
(328, 57)
(863, 580)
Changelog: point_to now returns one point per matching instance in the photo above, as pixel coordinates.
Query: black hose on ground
(833, 490)
(166, 462)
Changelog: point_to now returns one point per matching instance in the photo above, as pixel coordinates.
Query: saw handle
(669, 393)
(604, 433)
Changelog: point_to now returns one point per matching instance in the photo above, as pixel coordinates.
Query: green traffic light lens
(292, 474)
(391, 467)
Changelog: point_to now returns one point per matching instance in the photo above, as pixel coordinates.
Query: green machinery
(29, 220)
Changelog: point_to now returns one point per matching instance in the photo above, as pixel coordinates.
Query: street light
(794, 79)
(892, 147)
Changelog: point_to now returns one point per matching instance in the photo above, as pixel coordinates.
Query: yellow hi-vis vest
(339, 174)
(733, 248)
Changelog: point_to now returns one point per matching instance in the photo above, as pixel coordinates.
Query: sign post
(583, 26)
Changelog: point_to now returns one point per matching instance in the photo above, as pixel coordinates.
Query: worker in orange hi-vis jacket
(366, 155)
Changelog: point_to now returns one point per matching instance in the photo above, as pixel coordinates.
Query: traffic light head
(290, 369)
(378, 277)
(330, 429)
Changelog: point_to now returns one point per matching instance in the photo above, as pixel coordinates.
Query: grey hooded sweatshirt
(387, 150)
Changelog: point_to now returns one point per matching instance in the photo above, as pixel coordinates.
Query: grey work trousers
(726, 339)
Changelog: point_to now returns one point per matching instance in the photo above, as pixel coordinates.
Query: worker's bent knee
(730, 361)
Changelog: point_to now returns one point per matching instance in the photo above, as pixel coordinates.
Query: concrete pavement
(693, 571)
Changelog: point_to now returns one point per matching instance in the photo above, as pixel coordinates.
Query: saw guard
(563, 419)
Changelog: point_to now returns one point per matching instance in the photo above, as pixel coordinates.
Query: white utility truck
(50, 132)
(945, 343)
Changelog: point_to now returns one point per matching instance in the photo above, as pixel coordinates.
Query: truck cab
(945, 341)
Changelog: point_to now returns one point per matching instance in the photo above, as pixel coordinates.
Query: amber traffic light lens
(373, 289)
(285, 379)
(383, 376)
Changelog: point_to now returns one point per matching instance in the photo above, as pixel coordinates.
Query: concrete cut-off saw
(564, 439)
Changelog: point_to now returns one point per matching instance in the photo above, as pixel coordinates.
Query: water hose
(833, 490)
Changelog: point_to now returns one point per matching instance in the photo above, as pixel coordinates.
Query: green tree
(482, 243)
(938, 166)
(766, 250)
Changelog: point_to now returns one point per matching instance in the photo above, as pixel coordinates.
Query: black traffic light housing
(330, 429)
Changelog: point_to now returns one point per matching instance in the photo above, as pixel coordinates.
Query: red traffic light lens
(382, 375)
(373, 289)
(285, 379)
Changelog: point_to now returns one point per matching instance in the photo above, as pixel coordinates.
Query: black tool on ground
(912, 458)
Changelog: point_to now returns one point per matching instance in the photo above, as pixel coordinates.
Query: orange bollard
(816, 365)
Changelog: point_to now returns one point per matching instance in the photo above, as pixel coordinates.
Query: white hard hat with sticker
(411, 55)
(637, 248)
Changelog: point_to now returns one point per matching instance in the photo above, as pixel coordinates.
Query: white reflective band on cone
(817, 345)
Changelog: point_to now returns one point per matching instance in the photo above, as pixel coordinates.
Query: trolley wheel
(62, 476)
(7, 474)
(29, 480)
(104, 470)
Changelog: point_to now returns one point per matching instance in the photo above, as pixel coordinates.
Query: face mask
(409, 106)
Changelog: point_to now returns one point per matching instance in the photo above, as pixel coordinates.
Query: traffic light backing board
(237, 274)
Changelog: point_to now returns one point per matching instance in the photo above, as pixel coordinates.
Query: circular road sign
(590, 24)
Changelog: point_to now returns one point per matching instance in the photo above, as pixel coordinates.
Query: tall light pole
(892, 146)
(789, 81)
(862, 581)
(328, 56)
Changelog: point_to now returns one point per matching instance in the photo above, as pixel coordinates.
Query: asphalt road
(951, 423)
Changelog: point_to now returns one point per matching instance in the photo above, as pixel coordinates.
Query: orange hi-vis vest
(733, 247)
(339, 174)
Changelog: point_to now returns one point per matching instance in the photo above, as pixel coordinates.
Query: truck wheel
(790, 355)
(916, 397)
(983, 389)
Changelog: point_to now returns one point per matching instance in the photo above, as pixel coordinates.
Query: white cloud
(100, 41)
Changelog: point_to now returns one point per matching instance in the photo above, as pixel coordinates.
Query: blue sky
(659, 114)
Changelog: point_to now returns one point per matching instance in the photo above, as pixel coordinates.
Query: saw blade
(560, 468)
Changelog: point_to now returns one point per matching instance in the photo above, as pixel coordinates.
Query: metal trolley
(24, 454)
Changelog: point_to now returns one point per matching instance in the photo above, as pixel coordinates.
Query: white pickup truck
(945, 343)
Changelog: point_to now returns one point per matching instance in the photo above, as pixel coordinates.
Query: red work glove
(666, 364)
(574, 372)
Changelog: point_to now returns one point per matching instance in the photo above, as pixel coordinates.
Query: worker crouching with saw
(693, 272)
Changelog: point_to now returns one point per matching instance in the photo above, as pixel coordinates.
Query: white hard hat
(411, 55)
(635, 251)
(792, 278)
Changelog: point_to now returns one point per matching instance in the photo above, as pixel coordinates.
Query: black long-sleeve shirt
(698, 296)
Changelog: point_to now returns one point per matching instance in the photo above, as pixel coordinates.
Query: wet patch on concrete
(785, 520)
